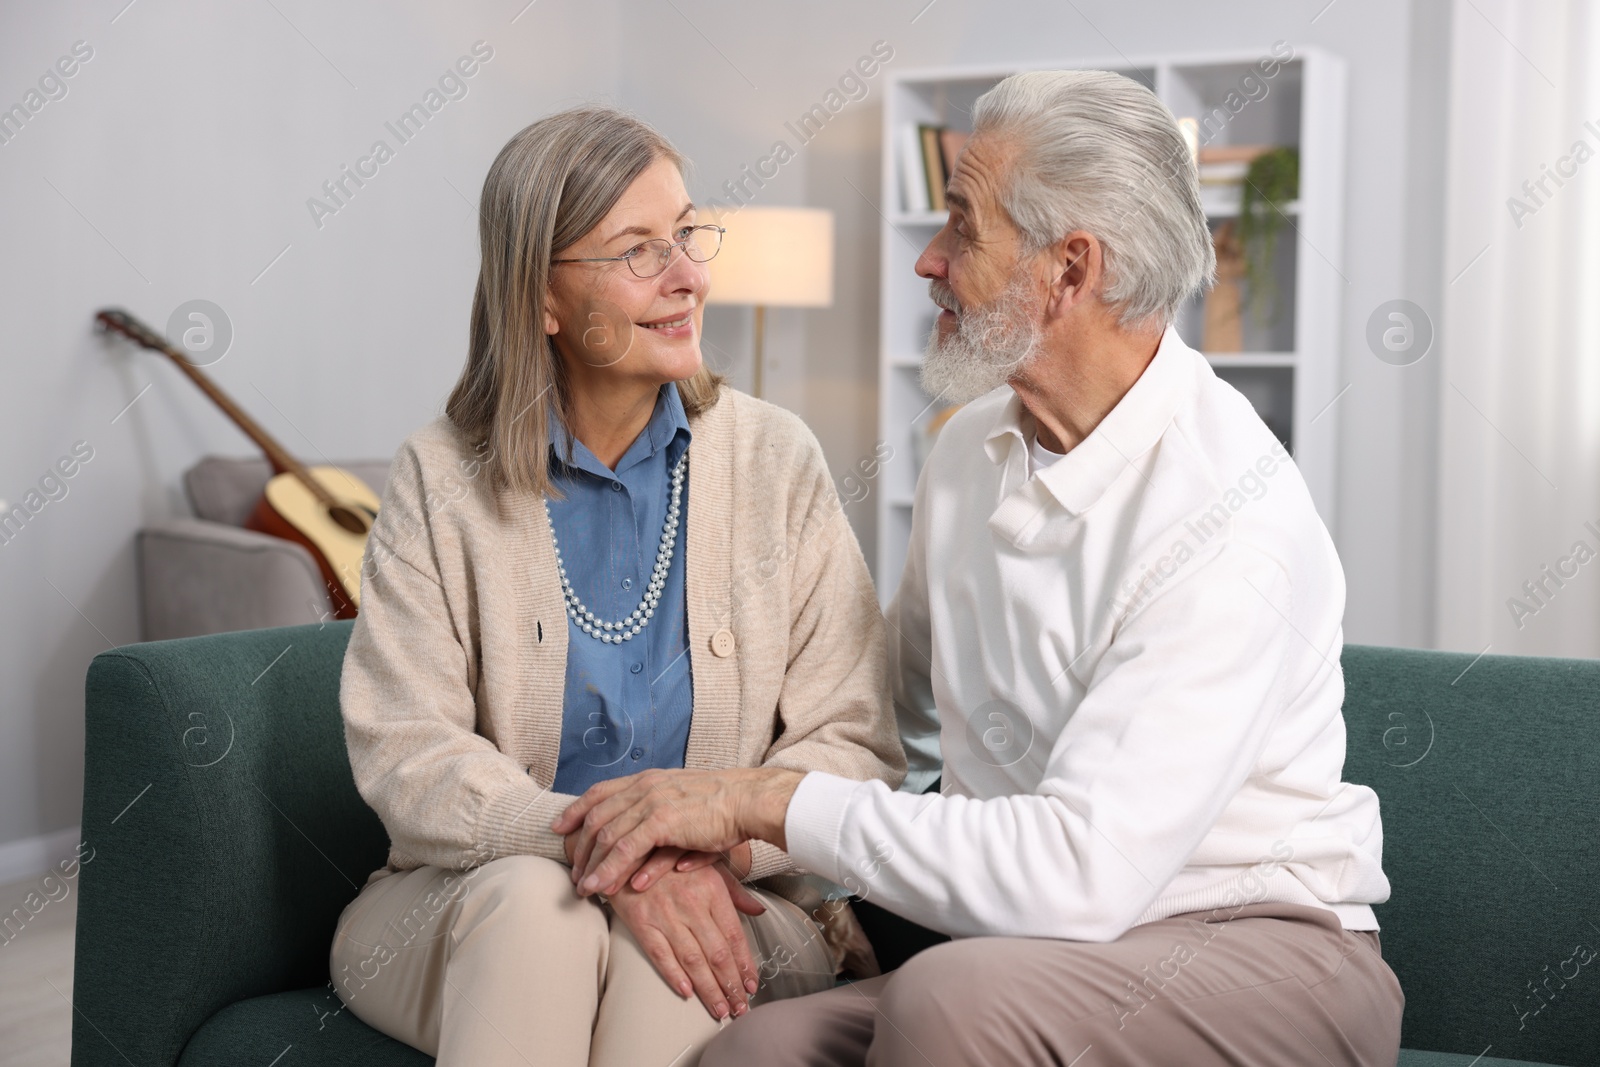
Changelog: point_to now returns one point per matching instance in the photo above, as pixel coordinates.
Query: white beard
(990, 345)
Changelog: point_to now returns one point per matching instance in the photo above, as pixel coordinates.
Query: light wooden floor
(36, 978)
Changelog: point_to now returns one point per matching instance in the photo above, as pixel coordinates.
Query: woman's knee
(524, 876)
(523, 896)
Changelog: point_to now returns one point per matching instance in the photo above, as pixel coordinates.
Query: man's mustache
(940, 293)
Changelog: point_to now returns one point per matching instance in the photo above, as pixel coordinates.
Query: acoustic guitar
(326, 509)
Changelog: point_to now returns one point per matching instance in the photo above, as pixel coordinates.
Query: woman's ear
(551, 325)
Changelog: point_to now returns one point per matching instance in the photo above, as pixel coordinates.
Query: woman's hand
(667, 858)
(619, 823)
(688, 925)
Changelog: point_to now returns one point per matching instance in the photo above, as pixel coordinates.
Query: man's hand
(618, 823)
(688, 925)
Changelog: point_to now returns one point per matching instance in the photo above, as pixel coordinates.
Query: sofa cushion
(225, 489)
(1486, 770)
(312, 1025)
(1416, 1058)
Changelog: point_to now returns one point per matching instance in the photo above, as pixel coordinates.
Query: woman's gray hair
(552, 183)
(1101, 153)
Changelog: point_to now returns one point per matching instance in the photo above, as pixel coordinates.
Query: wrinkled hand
(688, 925)
(619, 823)
(667, 858)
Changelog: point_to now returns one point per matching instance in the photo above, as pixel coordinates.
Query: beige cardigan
(454, 677)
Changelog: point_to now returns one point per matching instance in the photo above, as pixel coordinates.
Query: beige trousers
(1262, 985)
(506, 964)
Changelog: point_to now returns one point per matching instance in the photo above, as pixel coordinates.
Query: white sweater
(1128, 666)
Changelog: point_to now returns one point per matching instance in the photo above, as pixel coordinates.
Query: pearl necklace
(617, 632)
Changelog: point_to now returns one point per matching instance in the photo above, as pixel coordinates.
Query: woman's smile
(681, 325)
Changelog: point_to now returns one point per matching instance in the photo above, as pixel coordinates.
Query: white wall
(179, 164)
(177, 167)
(1397, 57)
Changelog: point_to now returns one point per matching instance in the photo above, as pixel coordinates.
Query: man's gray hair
(1101, 153)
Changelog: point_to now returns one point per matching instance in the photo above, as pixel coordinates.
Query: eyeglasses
(649, 258)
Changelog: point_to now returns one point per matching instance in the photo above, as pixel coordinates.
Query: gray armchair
(208, 574)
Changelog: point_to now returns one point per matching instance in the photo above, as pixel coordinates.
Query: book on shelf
(1227, 164)
(927, 157)
(932, 166)
(1233, 153)
(1223, 173)
(913, 183)
(951, 142)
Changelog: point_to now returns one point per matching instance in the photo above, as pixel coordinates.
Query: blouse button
(722, 643)
(616, 487)
(636, 668)
(627, 583)
(638, 753)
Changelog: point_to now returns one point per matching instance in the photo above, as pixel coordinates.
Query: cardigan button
(722, 643)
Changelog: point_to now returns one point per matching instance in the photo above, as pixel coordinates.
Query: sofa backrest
(1488, 776)
(225, 489)
(227, 833)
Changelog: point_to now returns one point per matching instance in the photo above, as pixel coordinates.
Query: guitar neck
(279, 457)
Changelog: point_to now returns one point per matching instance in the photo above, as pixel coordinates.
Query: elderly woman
(599, 560)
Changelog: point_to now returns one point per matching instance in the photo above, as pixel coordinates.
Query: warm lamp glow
(774, 257)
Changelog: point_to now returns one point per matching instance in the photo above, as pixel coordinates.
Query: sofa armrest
(223, 833)
(199, 577)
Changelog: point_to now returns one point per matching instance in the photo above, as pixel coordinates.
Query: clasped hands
(675, 828)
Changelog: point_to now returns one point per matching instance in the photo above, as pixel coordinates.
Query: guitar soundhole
(348, 519)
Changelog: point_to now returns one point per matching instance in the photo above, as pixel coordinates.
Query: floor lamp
(773, 257)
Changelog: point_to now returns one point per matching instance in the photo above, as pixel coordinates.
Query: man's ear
(1076, 264)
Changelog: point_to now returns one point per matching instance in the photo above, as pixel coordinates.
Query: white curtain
(1519, 332)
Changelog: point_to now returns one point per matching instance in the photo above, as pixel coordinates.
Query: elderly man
(1118, 640)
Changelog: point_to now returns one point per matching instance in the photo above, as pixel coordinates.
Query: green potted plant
(1270, 183)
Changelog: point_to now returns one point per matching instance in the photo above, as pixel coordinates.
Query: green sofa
(227, 836)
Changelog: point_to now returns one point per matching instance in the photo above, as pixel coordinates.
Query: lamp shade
(774, 257)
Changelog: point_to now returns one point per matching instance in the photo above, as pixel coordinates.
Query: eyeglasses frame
(672, 246)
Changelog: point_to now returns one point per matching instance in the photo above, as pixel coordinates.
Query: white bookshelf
(1289, 370)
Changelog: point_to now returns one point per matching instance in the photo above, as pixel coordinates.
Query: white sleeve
(1177, 711)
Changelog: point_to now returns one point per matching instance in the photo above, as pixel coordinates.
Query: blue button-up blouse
(628, 705)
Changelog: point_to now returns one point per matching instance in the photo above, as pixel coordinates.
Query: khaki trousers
(506, 964)
(1264, 985)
